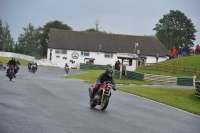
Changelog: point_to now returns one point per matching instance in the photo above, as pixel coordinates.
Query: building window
(108, 55)
(85, 53)
(64, 51)
(59, 51)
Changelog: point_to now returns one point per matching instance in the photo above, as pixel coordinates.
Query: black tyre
(92, 104)
(10, 76)
(104, 104)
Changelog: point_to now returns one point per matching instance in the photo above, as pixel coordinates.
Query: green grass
(5, 60)
(180, 98)
(186, 62)
(91, 76)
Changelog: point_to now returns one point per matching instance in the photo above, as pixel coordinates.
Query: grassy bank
(5, 60)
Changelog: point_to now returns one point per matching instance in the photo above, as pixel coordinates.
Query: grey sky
(130, 17)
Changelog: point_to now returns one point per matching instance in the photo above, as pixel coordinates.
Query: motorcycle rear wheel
(92, 104)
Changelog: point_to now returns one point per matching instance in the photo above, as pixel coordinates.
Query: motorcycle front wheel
(10, 76)
(104, 104)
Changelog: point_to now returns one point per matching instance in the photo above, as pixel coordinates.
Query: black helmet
(109, 72)
(13, 58)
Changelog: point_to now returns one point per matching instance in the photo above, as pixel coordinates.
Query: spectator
(118, 64)
(180, 52)
(197, 50)
(191, 52)
(174, 52)
(157, 57)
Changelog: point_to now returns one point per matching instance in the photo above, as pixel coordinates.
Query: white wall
(98, 56)
(17, 55)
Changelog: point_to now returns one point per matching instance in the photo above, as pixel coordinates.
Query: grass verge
(183, 99)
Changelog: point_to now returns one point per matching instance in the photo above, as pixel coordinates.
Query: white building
(74, 47)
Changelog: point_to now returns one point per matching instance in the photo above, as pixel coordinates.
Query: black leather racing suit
(101, 79)
(11, 62)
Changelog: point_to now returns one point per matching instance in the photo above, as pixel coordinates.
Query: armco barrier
(185, 81)
(94, 67)
(160, 79)
(135, 75)
(197, 89)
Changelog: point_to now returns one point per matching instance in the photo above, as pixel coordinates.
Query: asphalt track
(45, 102)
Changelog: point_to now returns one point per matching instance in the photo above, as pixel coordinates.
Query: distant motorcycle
(2, 67)
(33, 68)
(67, 69)
(11, 72)
(29, 67)
(102, 96)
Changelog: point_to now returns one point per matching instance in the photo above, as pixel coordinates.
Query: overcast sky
(130, 17)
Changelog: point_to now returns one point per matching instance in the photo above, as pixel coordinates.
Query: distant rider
(11, 62)
(107, 76)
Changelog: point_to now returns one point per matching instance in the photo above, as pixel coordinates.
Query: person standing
(180, 52)
(157, 57)
(174, 52)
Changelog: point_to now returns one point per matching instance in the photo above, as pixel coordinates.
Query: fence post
(194, 81)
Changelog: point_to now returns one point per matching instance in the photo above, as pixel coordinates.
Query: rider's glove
(98, 83)
(114, 88)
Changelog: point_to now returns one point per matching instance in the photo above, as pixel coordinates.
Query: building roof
(101, 42)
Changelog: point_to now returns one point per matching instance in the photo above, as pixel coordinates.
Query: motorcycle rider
(18, 63)
(107, 76)
(66, 65)
(29, 65)
(36, 65)
(11, 62)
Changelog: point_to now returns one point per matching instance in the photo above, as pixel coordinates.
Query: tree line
(174, 29)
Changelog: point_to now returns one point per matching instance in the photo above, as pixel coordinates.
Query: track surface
(45, 102)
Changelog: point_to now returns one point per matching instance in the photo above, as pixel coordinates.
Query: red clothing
(198, 47)
(174, 51)
(191, 52)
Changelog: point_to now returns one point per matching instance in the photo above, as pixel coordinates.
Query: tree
(44, 36)
(91, 30)
(28, 43)
(1, 35)
(175, 29)
(6, 42)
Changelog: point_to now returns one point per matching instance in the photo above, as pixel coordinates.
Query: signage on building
(126, 55)
(75, 55)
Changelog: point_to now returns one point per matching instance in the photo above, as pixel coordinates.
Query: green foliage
(91, 30)
(6, 41)
(175, 29)
(28, 43)
(180, 98)
(44, 36)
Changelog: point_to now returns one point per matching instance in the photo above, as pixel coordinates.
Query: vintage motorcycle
(66, 69)
(102, 96)
(11, 72)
